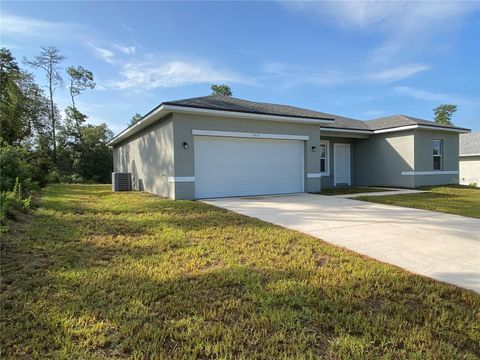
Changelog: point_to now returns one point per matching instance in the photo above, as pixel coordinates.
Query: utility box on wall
(121, 181)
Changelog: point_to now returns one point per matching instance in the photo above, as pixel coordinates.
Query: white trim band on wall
(314, 175)
(248, 135)
(177, 179)
(466, 155)
(414, 173)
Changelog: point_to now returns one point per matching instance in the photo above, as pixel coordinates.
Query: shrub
(72, 179)
(53, 177)
(15, 166)
(13, 200)
(473, 185)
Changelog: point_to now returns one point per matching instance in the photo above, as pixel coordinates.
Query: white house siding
(470, 170)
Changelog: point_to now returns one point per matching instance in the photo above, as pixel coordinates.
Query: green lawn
(350, 190)
(453, 199)
(94, 274)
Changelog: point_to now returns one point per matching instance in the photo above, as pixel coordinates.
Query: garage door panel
(238, 166)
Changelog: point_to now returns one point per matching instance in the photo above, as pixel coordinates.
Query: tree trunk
(52, 115)
(71, 94)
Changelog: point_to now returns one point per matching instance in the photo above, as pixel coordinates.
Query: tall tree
(443, 113)
(49, 61)
(135, 118)
(11, 98)
(22, 102)
(94, 162)
(81, 79)
(7, 62)
(35, 107)
(221, 90)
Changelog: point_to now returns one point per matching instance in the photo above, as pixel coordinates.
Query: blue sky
(357, 59)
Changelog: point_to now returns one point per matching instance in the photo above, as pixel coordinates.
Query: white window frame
(327, 157)
(440, 156)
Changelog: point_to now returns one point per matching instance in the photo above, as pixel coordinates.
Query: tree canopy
(32, 126)
(443, 113)
(80, 80)
(23, 105)
(221, 90)
(49, 60)
(135, 118)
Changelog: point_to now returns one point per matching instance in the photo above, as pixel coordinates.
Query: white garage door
(226, 166)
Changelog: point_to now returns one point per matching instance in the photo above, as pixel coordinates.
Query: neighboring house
(216, 146)
(470, 159)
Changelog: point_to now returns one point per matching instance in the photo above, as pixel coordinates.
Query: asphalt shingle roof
(402, 120)
(470, 143)
(342, 122)
(228, 103)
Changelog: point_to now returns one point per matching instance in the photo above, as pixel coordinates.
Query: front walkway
(389, 191)
(442, 246)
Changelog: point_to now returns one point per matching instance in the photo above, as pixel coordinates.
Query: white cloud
(347, 13)
(397, 73)
(402, 23)
(152, 73)
(102, 53)
(288, 75)
(128, 50)
(433, 96)
(393, 16)
(126, 27)
(31, 27)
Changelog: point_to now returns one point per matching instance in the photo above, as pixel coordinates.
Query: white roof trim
(165, 109)
(346, 130)
(143, 123)
(418, 126)
(400, 128)
(394, 129)
(248, 135)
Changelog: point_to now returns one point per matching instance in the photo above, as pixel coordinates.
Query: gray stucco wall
(328, 180)
(149, 156)
(156, 154)
(183, 125)
(380, 159)
(424, 157)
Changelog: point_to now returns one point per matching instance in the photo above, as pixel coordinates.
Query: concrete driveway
(441, 246)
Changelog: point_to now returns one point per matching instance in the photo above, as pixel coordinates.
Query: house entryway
(341, 164)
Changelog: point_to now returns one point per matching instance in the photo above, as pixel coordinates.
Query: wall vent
(121, 181)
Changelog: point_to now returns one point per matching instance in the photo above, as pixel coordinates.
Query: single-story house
(470, 159)
(218, 146)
